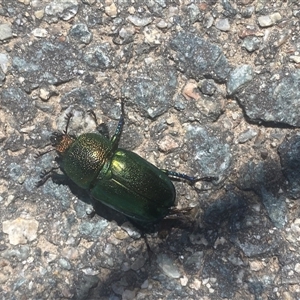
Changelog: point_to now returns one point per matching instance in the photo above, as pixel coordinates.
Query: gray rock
(198, 58)
(223, 24)
(246, 136)
(93, 230)
(19, 103)
(266, 180)
(211, 154)
(194, 262)
(139, 262)
(131, 230)
(4, 62)
(276, 208)
(251, 43)
(126, 35)
(255, 247)
(40, 32)
(58, 192)
(78, 95)
(230, 209)
(264, 21)
(19, 253)
(238, 77)
(225, 273)
(65, 264)
(167, 266)
(272, 99)
(151, 88)
(61, 9)
(81, 33)
(2, 77)
(208, 87)
(100, 56)
(139, 22)
(5, 31)
(256, 288)
(193, 12)
(88, 283)
(268, 20)
(289, 152)
(45, 61)
(229, 10)
(247, 11)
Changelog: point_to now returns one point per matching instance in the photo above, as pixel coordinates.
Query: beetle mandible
(118, 178)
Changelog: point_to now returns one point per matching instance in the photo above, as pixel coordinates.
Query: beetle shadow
(182, 229)
(92, 287)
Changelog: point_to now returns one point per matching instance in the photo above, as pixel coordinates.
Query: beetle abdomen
(135, 187)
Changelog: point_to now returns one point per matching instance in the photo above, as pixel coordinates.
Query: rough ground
(212, 88)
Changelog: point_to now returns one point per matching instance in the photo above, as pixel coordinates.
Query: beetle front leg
(45, 175)
(39, 153)
(191, 179)
(67, 118)
(101, 128)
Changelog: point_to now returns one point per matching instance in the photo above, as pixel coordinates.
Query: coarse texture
(212, 89)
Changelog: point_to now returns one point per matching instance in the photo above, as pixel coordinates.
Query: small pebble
(5, 31)
(223, 24)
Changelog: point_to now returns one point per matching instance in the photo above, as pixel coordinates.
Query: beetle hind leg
(191, 179)
(116, 137)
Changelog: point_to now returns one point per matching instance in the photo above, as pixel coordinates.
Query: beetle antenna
(67, 118)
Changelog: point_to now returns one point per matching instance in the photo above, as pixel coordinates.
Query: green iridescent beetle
(118, 178)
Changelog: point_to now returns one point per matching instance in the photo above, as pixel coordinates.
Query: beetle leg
(205, 178)
(39, 153)
(101, 128)
(187, 177)
(67, 118)
(45, 175)
(151, 254)
(93, 115)
(116, 137)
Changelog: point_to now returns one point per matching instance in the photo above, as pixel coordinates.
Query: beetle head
(61, 141)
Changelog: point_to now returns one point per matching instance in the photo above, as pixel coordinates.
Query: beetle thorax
(85, 158)
(64, 144)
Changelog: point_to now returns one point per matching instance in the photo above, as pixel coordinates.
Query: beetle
(118, 178)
